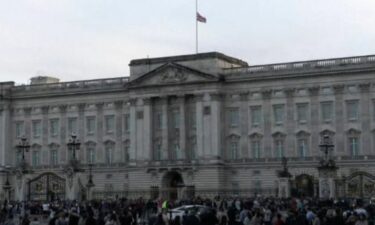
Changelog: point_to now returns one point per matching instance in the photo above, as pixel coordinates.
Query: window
(53, 157)
(256, 115)
(54, 127)
(176, 119)
(353, 146)
(127, 122)
(35, 158)
(302, 112)
(302, 147)
(233, 148)
(91, 154)
(20, 129)
(72, 125)
(279, 148)
(18, 158)
(90, 125)
(157, 151)
(327, 111)
(352, 110)
(278, 114)
(108, 154)
(234, 117)
(37, 128)
(109, 124)
(255, 147)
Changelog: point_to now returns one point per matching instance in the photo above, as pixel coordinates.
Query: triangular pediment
(172, 73)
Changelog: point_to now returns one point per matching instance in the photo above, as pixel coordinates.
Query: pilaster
(365, 118)
(339, 118)
(267, 119)
(183, 148)
(118, 131)
(213, 125)
(147, 129)
(244, 124)
(315, 122)
(63, 133)
(133, 130)
(45, 136)
(99, 133)
(291, 150)
(80, 130)
(199, 121)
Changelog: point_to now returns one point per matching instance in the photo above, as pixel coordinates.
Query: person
(279, 220)
(90, 220)
(361, 220)
(160, 220)
(25, 220)
(35, 221)
(112, 220)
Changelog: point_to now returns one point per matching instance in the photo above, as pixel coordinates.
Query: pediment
(172, 73)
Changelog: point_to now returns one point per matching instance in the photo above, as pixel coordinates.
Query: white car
(180, 211)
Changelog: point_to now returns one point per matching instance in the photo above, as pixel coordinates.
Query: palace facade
(203, 124)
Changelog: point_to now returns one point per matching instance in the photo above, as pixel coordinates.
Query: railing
(325, 63)
(74, 84)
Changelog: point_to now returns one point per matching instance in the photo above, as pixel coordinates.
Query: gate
(47, 187)
(360, 185)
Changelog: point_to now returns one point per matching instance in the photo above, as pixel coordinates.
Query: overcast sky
(90, 39)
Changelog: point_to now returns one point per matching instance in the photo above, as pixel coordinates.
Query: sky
(92, 39)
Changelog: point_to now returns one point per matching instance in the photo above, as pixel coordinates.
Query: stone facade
(208, 121)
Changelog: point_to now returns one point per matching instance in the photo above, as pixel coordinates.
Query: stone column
(315, 124)
(147, 129)
(45, 136)
(244, 124)
(99, 132)
(62, 132)
(199, 122)
(183, 148)
(118, 132)
(284, 187)
(291, 150)
(28, 122)
(340, 119)
(267, 118)
(213, 128)
(165, 134)
(20, 187)
(80, 131)
(6, 132)
(133, 131)
(365, 118)
(72, 186)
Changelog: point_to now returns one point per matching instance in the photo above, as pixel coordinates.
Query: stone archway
(172, 184)
(303, 186)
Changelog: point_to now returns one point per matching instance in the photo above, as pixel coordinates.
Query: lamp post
(23, 146)
(7, 186)
(90, 183)
(326, 147)
(73, 146)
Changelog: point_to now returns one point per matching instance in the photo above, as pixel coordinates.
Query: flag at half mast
(201, 18)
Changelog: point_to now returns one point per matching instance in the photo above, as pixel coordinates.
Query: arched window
(35, 155)
(157, 150)
(53, 154)
(233, 147)
(109, 148)
(126, 151)
(90, 152)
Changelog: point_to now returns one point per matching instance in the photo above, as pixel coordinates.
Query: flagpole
(196, 27)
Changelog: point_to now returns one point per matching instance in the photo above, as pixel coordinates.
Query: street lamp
(22, 147)
(73, 145)
(90, 183)
(326, 147)
(7, 186)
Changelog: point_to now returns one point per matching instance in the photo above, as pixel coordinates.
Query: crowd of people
(216, 211)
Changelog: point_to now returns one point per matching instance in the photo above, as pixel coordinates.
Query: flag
(201, 18)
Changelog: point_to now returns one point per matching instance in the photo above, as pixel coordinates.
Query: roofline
(216, 55)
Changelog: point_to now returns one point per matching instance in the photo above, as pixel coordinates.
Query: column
(291, 150)
(199, 122)
(365, 119)
(80, 131)
(27, 116)
(63, 130)
(214, 128)
(165, 134)
(45, 136)
(267, 118)
(315, 124)
(99, 132)
(183, 148)
(133, 130)
(118, 132)
(340, 119)
(147, 129)
(244, 123)
(5, 134)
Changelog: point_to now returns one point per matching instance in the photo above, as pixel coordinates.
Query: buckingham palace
(203, 124)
